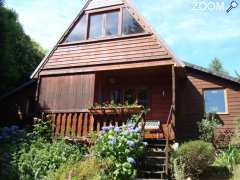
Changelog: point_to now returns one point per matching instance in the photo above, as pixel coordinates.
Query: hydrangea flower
(130, 143)
(126, 132)
(117, 129)
(112, 141)
(104, 128)
(131, 160)
(137, 130)
(145, 144)
(110, 127)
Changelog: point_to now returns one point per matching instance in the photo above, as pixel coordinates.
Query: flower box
(97, 111)
(132, 110)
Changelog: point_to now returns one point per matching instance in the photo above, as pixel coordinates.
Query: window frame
(120, 33)
(225, 99)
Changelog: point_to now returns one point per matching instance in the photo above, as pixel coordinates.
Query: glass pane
(112, 23)
(130, 25)
(214, 100)
(142, 97)
(95, 27)
(116, 96)
(129, 96)
(78, 32)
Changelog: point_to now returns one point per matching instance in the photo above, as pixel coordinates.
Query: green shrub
(123, 147)
(228, 158)
(35, 162)
(207, 126)
(193, 157)
(88, 168)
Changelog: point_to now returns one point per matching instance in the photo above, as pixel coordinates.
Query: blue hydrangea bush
(123, 146)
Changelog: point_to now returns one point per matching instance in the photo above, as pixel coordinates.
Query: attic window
(78, 32)
(103, 25)
(130, 25)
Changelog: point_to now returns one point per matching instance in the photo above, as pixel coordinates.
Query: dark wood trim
(104, 39)
(120, 22)
(173, 94)
(108, 8)
(163, 62)
(66, 111)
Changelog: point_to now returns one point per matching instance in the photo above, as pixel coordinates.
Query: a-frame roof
(145, 47)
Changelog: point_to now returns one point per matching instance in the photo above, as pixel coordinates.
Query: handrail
(141, 119)
(169, 122)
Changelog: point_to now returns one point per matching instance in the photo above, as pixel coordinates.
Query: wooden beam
(108, 67)
(173, 94)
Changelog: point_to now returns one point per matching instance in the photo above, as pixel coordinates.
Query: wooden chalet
(109, 52)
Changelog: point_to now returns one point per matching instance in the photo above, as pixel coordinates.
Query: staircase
(154, 162)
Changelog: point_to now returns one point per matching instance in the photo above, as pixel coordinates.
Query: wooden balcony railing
(80, 124)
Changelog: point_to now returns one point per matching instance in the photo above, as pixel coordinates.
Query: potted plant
(96, 109)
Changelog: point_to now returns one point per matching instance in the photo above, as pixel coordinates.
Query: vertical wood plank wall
(190, 106)
(67, 93)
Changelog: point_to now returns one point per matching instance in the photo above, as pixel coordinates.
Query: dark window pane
(95, 27)
(130, 25)
(112, 23)
(129, 96)
(116, 96)
(78, 32)
(214, 100)
(142, 97)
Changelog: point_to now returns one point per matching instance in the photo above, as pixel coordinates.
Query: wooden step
(152, 174)
(149, 135)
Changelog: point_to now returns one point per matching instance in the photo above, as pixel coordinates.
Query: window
(130, 25)
(104, 24)
(116, 96)
(95, 27)
(142, 97)
(112, 23)
(79, 31)
(129, 96)
(215, 101)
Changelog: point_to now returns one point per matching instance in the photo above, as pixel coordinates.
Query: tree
(19, 55)
(2, 3)
(238, 75)
(216, 66)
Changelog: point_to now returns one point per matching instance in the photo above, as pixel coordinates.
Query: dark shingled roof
(217, 74)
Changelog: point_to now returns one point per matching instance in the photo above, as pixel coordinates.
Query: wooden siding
(190, 103)
(67, 93)
(100, 3)
(125, 50)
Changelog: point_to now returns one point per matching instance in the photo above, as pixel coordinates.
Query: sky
(195, 30)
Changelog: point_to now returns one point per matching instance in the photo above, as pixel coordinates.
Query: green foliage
(207, 126)
(88, 168)
(236, 134)
(112, 105)
(192, 158)
(18, 53)
(123, 147)
(228, 157)
(216, 66)
(41, 157)
(238, 75)
(2, 3)
(236, 173)
(11, 139)
(42, 127)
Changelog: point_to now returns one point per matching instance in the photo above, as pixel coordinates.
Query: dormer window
(97, 25)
